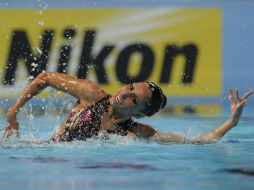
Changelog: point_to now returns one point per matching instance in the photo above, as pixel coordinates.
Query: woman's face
(132, 98)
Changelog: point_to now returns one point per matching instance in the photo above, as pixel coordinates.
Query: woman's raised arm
(237, 104)
(80, 88)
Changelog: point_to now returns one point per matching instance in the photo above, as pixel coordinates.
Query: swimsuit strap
(98, 109)
(122, 128)
(86, 122)
(101, 106)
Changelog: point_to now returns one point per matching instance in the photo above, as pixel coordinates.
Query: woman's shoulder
(144, 130)
(132, 127)
(92, 91)
(99, 100)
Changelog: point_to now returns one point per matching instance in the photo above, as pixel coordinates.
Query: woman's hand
(235, 101)
(237, 104)
(12, 124)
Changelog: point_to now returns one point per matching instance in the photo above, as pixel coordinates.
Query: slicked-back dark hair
(156, 102)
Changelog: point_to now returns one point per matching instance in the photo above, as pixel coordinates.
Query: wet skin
(131, 100)
(127, 103)
(124, 105)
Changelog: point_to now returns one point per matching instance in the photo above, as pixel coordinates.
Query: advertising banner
(179, 49)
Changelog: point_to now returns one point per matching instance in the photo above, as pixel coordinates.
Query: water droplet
(30, 77)
(34, 65)
(39, 12)
(41, 23)
(39, 50)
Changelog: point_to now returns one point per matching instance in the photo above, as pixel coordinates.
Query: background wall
(237, 33)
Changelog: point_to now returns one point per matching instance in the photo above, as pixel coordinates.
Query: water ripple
(243, 171)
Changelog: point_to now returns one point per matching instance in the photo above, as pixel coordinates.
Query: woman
(97, 111)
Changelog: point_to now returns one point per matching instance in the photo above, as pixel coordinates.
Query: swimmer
(97, 111)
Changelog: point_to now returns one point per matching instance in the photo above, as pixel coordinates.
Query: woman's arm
(237, 105)
(80, 88)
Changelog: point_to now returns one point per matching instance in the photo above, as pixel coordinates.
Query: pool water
(126, 163)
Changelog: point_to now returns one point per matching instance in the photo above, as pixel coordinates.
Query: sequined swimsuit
(85, 123)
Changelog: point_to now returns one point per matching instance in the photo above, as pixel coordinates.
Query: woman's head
(139, 99)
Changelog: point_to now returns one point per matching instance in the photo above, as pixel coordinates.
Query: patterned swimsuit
(85, 123)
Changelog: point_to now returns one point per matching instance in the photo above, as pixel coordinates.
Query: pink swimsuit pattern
(85, 123)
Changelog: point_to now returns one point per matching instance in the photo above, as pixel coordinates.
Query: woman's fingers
(237, 95)
(7, 133)
(231, 100)
(242, 103)
(246, 95)
(231, 92)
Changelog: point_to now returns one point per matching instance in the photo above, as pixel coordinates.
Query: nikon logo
(20, 49)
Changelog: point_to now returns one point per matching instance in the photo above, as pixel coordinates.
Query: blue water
(126, 163)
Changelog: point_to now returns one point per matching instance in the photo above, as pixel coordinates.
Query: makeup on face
(133, 94)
